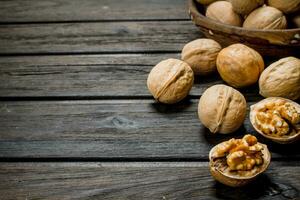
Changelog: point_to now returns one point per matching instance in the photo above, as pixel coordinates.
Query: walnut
(201, 55)
(296, 21)
(237, 161)
(239, 65)
(277, 119)
(281, 79)
(286, 6)
(170, 81)
(223, 12)
(222, 109)
(244, 7)
(265, 18)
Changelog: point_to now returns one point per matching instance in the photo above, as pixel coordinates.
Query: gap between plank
(99, 159)
(91, 21)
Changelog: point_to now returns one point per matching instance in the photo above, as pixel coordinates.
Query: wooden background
(77, 121)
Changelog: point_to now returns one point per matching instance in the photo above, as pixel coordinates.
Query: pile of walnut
(254, 14)
(222, 109)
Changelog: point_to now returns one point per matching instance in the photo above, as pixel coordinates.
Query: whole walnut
(266, 18)
(206, 2)
(286, 6)
(239, 65)
(244, 7)
(170, 81)
(222, 109)
(296, 21)
(281, 79)
(201, 55)
(222, 11)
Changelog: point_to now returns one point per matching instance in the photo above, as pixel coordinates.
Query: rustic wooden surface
(77, 121)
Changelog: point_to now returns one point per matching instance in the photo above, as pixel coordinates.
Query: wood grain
(90, 10)
(112, 129)
(96, 37)
(139, 181)
(79, 76)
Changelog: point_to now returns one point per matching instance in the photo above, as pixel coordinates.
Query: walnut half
(236, 162)
(277, 119)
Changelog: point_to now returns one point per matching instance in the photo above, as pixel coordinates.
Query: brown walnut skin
(244, 7)
(201, 55)
(281, 79)
(239, 65)
(170, 81)
(222, 109)
(236, 180)
(265, 18)
(286, 6)
(222, 11)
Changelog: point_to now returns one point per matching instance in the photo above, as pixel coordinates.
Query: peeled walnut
(201, 55)
(281, 79)
(244, 7)
(237, 162)
(222, 11)
(206, 2)
(239, 65)
(266, 18)
(222, 109)
(170, 81)
(286, 6)
(277, 119)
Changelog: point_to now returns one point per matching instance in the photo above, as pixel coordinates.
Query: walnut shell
(201, 55)
(222, 11)
(205, 2)
(266, 18)
(244, 7)
(218, 169)
(239, 65)
(222, 109)
(281, 79)
(170, 81)
(286, 6)
(292, 136)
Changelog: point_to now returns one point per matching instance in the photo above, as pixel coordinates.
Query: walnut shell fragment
(281, 79)
(237, 162)
(222, 109)
(170, 81)
(277, 119)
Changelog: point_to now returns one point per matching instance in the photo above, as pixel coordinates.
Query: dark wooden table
(77, 120)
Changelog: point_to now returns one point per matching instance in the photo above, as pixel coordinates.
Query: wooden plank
(139, 181)
(97, 37)
(90, 10)
(114, 75)
(111, 129)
